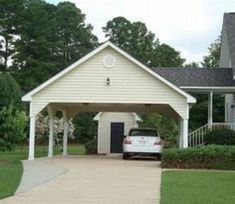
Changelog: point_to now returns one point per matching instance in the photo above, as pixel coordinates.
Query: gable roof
(229, 26)
(28, 96)
(200, 77)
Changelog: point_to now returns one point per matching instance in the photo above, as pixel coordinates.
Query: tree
(166, 56)
(85, 127)
(134, 38)
(52, 37)
(192, 64)
(74, 37)
(212, 59)
(12, 126)
(10, 92)
(10, 22)
(139, 42)
(35, 60)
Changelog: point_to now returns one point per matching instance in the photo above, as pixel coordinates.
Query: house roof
(28, 96)
(229, 25)
(200, 77)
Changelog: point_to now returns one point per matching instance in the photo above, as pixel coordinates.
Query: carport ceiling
(114, 107)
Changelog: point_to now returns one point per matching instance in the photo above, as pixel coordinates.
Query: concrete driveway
(89, 179)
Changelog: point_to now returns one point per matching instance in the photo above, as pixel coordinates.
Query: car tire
(125, 156)
(158, 157)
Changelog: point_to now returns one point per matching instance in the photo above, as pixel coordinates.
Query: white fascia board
(28, 96)
(137, 118)
(209, 87)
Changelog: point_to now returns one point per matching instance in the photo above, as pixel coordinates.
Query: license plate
(142, 142)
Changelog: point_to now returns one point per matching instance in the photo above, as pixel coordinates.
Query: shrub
(12, 127)
(91, 146)
(209, 157)
(85, 126)
(10, 92)
(220, 137)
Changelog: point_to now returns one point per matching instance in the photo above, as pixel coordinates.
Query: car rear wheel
(125, 156)
(158, 157)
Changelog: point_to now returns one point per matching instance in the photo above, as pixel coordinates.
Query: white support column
(185, 133)
(32, 136)
(183, 143)
(65, 136)
(181, 134)
(51, 124)
(210, 109)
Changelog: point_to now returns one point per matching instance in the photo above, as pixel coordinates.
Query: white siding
(229, 108)
(104, 123)
(129, 84)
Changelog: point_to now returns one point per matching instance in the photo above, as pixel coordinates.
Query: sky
(189, 26)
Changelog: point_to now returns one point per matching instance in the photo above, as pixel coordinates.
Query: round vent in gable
(109, 61)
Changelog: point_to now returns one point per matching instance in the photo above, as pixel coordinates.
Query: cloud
(187, 25)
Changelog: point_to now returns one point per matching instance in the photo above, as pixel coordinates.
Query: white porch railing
(196, 137)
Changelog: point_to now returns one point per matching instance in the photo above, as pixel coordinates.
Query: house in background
(110, 80)
(112, 126)
(227, 60)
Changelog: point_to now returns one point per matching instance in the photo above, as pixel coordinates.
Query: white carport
(107, 80)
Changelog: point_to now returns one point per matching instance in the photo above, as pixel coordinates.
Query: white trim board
(221, 89)
(28, 96)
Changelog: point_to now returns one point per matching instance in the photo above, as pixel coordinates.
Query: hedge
(202, 157)
(220, 137)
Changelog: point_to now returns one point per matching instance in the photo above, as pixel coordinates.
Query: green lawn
(11, 167)
(197, 187)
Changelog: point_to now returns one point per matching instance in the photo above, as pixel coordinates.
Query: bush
(208, 157)
(85, 126)
(12, 127)
(10, 92)
(220, 137)
(91, 146)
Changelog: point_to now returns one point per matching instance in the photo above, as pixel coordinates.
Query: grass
(11, 168)
(197, 187)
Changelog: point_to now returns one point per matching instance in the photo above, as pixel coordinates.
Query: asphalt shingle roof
(220, 77)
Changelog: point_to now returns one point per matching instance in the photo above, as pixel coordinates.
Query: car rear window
(150, 133)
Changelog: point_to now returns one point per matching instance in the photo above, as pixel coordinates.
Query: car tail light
(126, 141)
(158, 142)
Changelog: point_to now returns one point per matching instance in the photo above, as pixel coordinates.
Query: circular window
(109, 61)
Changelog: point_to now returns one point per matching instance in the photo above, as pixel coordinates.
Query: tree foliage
(74, 37)
(138, 41)
(212, 59)
(10, 22)
(10, 92)
(12, 127)
(51, 38)
(86, 127)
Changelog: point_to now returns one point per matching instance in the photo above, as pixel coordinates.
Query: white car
(142, 141)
